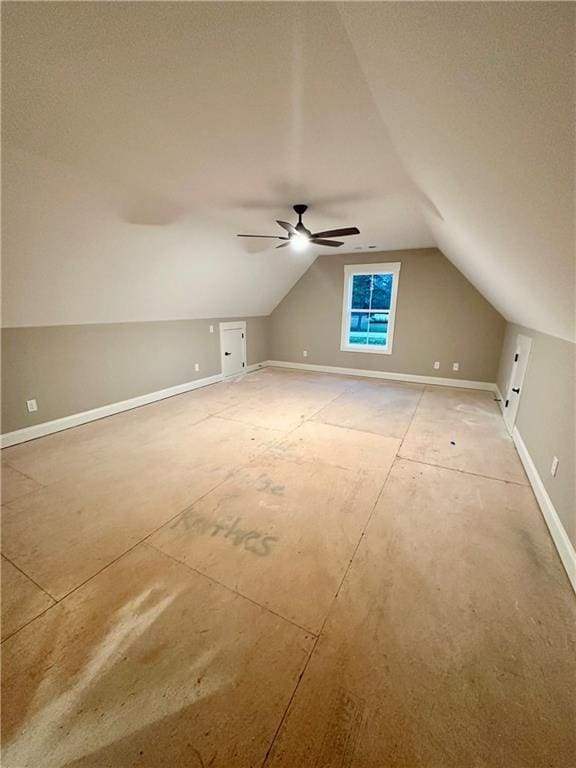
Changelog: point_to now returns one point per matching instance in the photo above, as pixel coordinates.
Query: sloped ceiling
(139, 138)
(479, 100)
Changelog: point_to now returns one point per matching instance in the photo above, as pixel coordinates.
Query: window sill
(366, 350)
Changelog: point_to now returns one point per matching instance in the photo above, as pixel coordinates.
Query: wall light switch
(32, 406)
(554, 467)
(437, 365)
(455, 366)
(304, 353)
(196, 366)
(211, 329)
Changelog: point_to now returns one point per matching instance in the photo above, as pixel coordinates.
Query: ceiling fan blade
(283, 245)
(337, 232)
(288, 227)
(270, 237)
(319, 241)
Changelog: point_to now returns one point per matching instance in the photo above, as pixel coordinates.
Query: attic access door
(233, 348)
(516, 382)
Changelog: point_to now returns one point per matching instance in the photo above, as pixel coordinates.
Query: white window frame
(387, 268)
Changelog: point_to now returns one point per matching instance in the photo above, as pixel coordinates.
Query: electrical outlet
(304, 353)
(455, 366)
(437, 365)
(211, 329)
(196, 366)
(554, 467)
(32, 406)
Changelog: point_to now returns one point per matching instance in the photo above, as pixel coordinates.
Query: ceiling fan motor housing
(300, 209)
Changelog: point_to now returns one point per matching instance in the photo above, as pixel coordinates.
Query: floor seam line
(325, 405)
(463, 471)
(290, 700)
(8, 504)
(58, 600)
(289, 431)
(355, 429)
(18, 568)
(143, 540)
(166, 522)
(365, 528)
(229, 589)
(24, 474)
(412, 418)
(16, 631)
(328, 611)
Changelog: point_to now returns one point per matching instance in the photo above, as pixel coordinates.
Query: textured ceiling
(140, 137)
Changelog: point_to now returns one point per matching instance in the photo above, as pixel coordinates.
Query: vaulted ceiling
(139, 138)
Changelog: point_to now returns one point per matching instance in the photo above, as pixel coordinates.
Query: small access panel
(233, 348)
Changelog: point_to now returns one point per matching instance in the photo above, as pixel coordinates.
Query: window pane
(369, 328)
(381, 291)
(358, 322)
(361, 286)
(378, 328)
(358, 331)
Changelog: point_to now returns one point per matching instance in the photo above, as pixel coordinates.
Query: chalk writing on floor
(266, 484)
(253, 541)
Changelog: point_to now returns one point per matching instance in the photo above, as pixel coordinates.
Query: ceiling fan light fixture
(299, 242)
(300, 238)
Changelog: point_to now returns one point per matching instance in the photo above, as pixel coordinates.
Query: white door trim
(515, 386)
(233, 326)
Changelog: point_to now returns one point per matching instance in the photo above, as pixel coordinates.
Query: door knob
(227, 353)
(517, 390)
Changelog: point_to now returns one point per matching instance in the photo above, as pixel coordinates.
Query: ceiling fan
(299, 237)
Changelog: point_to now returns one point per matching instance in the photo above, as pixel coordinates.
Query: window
(369, 307)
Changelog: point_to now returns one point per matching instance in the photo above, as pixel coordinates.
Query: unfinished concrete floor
(290, 569)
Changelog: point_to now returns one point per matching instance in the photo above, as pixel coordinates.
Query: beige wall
(546, 418)
(440, 316)
(73, 368)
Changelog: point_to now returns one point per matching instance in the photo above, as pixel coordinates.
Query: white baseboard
(499, 396)
(557, 531)
(74, 420)
(256, 367)
(410, 377)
